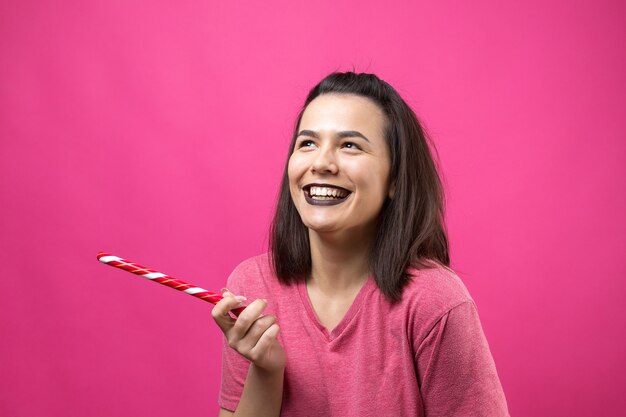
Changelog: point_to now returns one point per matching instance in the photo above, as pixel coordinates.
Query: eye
(307, 143)
(350, 145)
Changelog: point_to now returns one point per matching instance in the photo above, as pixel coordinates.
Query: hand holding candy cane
(253, 335)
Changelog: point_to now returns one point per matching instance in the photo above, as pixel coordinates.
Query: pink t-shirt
(424, 356)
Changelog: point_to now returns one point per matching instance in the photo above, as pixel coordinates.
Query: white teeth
(327, 192)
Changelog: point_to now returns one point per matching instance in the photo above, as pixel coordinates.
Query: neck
(339, 263)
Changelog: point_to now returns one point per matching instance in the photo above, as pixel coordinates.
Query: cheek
(377, 181)
(294, 175)
(291, 169)
(295, 169)
(372, 176)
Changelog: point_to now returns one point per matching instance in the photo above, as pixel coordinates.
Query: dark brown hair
(411, 229)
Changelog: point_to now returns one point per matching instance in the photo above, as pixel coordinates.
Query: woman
(372, 320)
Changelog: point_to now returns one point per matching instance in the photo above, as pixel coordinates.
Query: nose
(324, 162)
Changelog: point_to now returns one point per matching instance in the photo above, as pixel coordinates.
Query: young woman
(372, 320)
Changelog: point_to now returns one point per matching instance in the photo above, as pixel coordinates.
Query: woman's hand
(252, 334)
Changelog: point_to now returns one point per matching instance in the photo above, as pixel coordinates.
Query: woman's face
(340, 167)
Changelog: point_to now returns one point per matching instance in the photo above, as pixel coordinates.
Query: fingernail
(227, 294)
(240, 298)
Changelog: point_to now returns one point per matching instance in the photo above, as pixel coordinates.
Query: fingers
(265, 344)
(221, 311)
(248, 316)
(250, 324)
(246, 342)
(253, 334)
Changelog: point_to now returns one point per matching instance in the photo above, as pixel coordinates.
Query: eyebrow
(340, 135)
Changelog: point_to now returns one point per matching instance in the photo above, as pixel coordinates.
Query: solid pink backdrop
(158, 131)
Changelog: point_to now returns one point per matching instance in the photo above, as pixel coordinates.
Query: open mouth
(325, 195)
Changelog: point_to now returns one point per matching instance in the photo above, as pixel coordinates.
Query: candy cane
(161, 278)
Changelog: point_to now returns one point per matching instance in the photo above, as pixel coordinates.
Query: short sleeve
(234, 366)
(456, 372)
(234, 372)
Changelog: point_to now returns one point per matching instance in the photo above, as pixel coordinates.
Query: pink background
(157, 130)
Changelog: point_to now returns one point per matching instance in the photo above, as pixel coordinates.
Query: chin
(320, 227)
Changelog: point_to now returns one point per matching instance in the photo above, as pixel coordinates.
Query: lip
(333, 202)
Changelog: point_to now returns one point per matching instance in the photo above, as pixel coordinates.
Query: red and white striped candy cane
(161, 278)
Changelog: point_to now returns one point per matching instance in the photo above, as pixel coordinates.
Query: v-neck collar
(329, 336)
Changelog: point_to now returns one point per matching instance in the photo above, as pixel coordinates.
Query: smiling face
(340, 167)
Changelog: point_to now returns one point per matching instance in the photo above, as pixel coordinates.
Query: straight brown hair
(411, 228)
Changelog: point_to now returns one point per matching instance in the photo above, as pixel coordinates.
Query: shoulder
(437, 283)
(433, 292)
(251, 273)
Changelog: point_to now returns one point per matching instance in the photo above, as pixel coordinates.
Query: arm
(456, 372)
(253, 336)
(262, 395)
